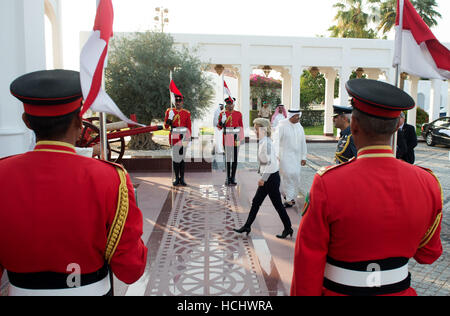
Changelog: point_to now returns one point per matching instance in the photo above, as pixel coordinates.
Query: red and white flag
(92, 60)
(417, 51)
(226, 90)
(173, 91)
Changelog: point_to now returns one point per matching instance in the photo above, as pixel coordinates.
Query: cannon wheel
(90, 136)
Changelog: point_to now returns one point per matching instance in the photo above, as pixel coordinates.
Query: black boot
(285, 233)
(228, 180)
(243, 229)
(182, 174)
(233, 173)
(176, 171)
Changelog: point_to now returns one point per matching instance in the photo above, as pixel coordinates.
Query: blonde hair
(265, 123)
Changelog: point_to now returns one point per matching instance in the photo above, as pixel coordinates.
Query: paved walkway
(192, 248)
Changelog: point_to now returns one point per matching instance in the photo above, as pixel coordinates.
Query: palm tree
(385, 12)
(351, 20)
(426, 10)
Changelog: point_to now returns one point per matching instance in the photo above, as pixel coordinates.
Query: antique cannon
(115, 134)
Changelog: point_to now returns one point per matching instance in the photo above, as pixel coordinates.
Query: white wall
(22, 30)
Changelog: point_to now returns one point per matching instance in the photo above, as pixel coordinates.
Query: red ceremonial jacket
(234, 119)
(57, 208)
(182, 118)
(371, 208)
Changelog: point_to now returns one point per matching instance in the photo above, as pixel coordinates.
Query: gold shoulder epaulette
(324, 170)
(434, 176)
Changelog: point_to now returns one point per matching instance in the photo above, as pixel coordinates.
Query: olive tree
(137, 79)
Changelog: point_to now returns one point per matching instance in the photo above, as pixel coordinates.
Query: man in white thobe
(218, 141)
(290, 143)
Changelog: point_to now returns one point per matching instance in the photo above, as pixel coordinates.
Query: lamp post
(267, 69)
(161, 16)
(359, 72)
(314, 71)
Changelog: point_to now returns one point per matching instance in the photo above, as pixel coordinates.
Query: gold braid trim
(116, 230)
(177, 117)
(431, 231)
(229, 119)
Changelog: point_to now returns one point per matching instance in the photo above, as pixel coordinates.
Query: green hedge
(312, 117)
(253, 115)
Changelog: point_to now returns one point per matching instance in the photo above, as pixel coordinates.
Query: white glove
(224, 118)
(171, 115)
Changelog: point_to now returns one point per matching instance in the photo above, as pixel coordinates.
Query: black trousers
(178, 155)
(231, 156)
(271, 188)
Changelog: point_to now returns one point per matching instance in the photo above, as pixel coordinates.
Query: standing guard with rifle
(67, 222)
(179, 122)
(233, 133)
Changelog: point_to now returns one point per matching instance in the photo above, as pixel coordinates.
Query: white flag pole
(399, 43)
(103, 137)
(397, 61)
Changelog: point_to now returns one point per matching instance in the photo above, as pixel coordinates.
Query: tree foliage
(353, 16)
(266, 89)
(385, 12)
(137, 77)
(312, 90)
(352, 21)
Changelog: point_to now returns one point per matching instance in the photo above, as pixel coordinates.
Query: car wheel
(429, 139)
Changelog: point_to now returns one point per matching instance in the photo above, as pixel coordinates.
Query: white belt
(231, 130)
(179, 130)
(99, 288)
(365, 278)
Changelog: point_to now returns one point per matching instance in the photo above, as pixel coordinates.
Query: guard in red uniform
(179, 122)
(366, 218)
(65, 220)
(233, 134)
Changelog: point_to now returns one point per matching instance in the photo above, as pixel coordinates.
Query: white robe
(290, 145)
(218, 140)
(277, 120)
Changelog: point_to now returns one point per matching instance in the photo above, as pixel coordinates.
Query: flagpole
(170, 92)
(103, 138)
(398, 56)
(171, 146)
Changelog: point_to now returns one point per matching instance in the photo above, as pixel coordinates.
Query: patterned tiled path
(199, 254)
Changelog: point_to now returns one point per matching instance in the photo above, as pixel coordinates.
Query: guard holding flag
(233, 134)
(66, 221)
(179, 122)
(367, 217)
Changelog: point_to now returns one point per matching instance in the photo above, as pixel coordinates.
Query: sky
(303, 18)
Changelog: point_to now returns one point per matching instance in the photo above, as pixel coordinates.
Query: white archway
(51, 10)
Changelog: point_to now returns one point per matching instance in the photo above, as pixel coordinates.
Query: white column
(295, 79)
(286, 89)
(448, 97)
(412, 114)
(344, 75)
(22, 30)
(53, 12)
(435, 101)
(244, 102)
(330, 78)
